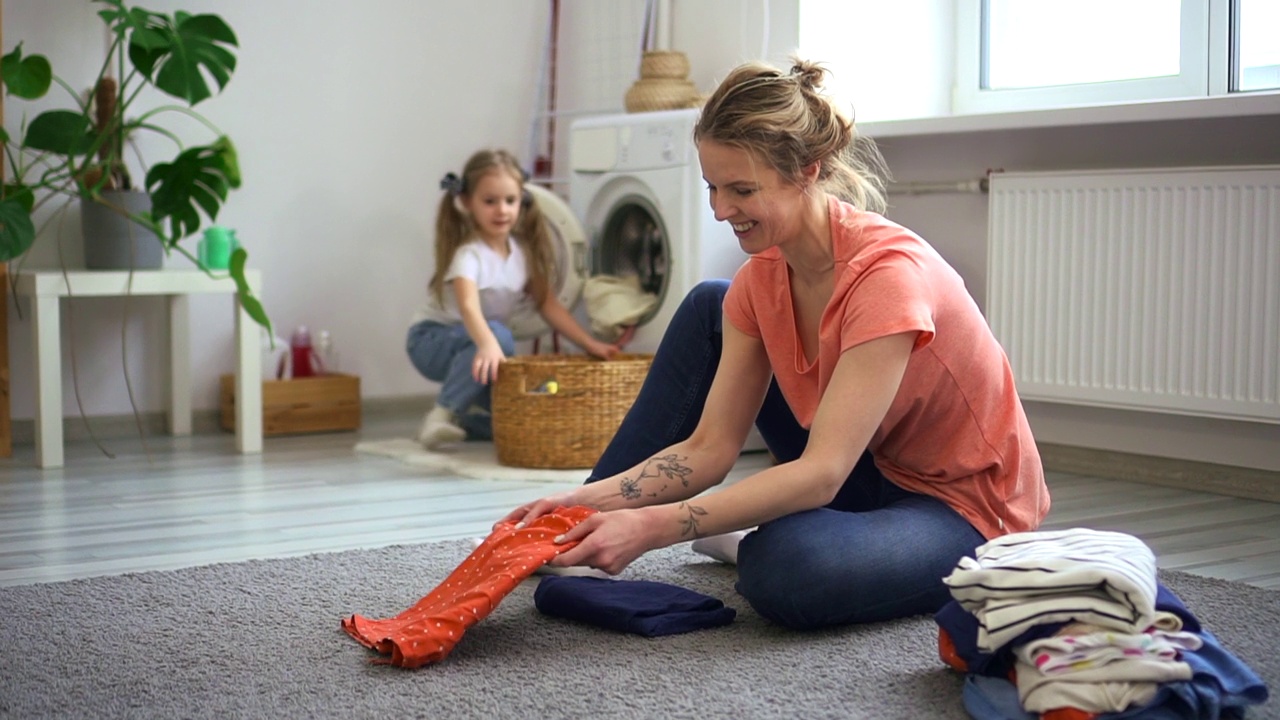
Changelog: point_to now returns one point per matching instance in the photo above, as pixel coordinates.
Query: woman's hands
(610, 541)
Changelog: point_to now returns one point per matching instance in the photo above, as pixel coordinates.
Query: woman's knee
(782, 577)
(700, 311)
(807, 571)
(707, 296)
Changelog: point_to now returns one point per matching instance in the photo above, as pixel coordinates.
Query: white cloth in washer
(615, 303)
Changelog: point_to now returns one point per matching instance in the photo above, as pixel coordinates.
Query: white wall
(346, 119)
(345, 116)
(600, 48)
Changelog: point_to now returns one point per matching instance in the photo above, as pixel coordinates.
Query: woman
(901, 443)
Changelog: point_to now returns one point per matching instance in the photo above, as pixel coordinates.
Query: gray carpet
(262, 639)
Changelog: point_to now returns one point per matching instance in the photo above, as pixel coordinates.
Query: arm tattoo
(689, 525)
(671, 467)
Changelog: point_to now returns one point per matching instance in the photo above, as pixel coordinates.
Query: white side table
(47, 287)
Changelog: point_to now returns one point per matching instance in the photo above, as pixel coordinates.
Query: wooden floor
(195, 501)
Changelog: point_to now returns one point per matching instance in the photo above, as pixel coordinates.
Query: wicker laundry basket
(570, 427)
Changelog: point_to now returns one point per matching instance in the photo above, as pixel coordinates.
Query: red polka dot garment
(428, 631)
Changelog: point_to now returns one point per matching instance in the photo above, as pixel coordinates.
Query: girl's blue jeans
(875, 552)
(444, 353)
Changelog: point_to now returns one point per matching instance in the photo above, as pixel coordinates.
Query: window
(1257, 33)
(1036, 44)
(1035, 54)
(931, 58)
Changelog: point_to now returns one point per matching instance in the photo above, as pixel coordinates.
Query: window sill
(1236, 105)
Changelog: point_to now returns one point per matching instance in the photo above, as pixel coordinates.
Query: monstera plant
(79, 153)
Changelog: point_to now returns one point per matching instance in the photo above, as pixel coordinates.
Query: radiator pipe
(935, 188)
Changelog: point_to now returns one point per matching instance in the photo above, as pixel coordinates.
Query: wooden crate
(324, 403)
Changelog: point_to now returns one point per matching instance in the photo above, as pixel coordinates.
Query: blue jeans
(873, 553)
(444, 353)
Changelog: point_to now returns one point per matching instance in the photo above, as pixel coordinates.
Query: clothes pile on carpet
(1073, 625)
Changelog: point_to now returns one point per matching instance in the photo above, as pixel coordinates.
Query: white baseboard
(203, 422)
(1184, 474)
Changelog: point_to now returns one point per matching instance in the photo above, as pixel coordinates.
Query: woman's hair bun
(808, 73)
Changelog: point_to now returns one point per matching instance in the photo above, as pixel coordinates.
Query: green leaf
(199, 176)
(17, 232)
(172, 52)
(21, 194)
(116, 18)
(247, 301)
(64, 132)
(26, 77)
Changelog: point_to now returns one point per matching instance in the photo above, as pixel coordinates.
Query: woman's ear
(811, 172)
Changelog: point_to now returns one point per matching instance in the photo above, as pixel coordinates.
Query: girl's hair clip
(453, 184)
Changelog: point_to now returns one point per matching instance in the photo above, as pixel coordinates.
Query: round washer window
(634, 243)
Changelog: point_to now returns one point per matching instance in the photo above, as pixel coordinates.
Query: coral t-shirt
(956, 429)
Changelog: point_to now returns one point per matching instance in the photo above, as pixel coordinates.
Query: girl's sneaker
(439, 429)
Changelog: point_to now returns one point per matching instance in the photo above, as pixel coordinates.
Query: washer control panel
(634, 142)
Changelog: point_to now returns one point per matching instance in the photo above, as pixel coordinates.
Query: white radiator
(1143, 289)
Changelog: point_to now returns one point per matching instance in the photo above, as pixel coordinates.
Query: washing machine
(637, 187)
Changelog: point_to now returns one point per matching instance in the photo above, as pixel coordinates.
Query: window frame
(1204, 60)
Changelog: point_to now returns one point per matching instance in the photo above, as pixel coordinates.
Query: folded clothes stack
(1073, 625)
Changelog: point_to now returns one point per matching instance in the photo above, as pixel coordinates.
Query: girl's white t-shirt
(500, 282)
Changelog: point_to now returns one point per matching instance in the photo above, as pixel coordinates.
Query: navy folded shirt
(636, 606)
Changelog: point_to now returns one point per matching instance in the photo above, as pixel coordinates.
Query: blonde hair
(455, 227)
(784, 119)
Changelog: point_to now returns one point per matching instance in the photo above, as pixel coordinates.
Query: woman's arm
(488, 351)
(862, 387)
(560, 320)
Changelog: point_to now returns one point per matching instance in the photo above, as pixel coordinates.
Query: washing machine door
(630, 238)
(570, 262)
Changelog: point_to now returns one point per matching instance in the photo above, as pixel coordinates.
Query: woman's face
(494, 205)
(745, 191)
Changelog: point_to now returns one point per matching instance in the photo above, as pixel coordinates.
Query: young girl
(494, 255)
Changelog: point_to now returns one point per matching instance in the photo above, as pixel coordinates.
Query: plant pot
(114, 242)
